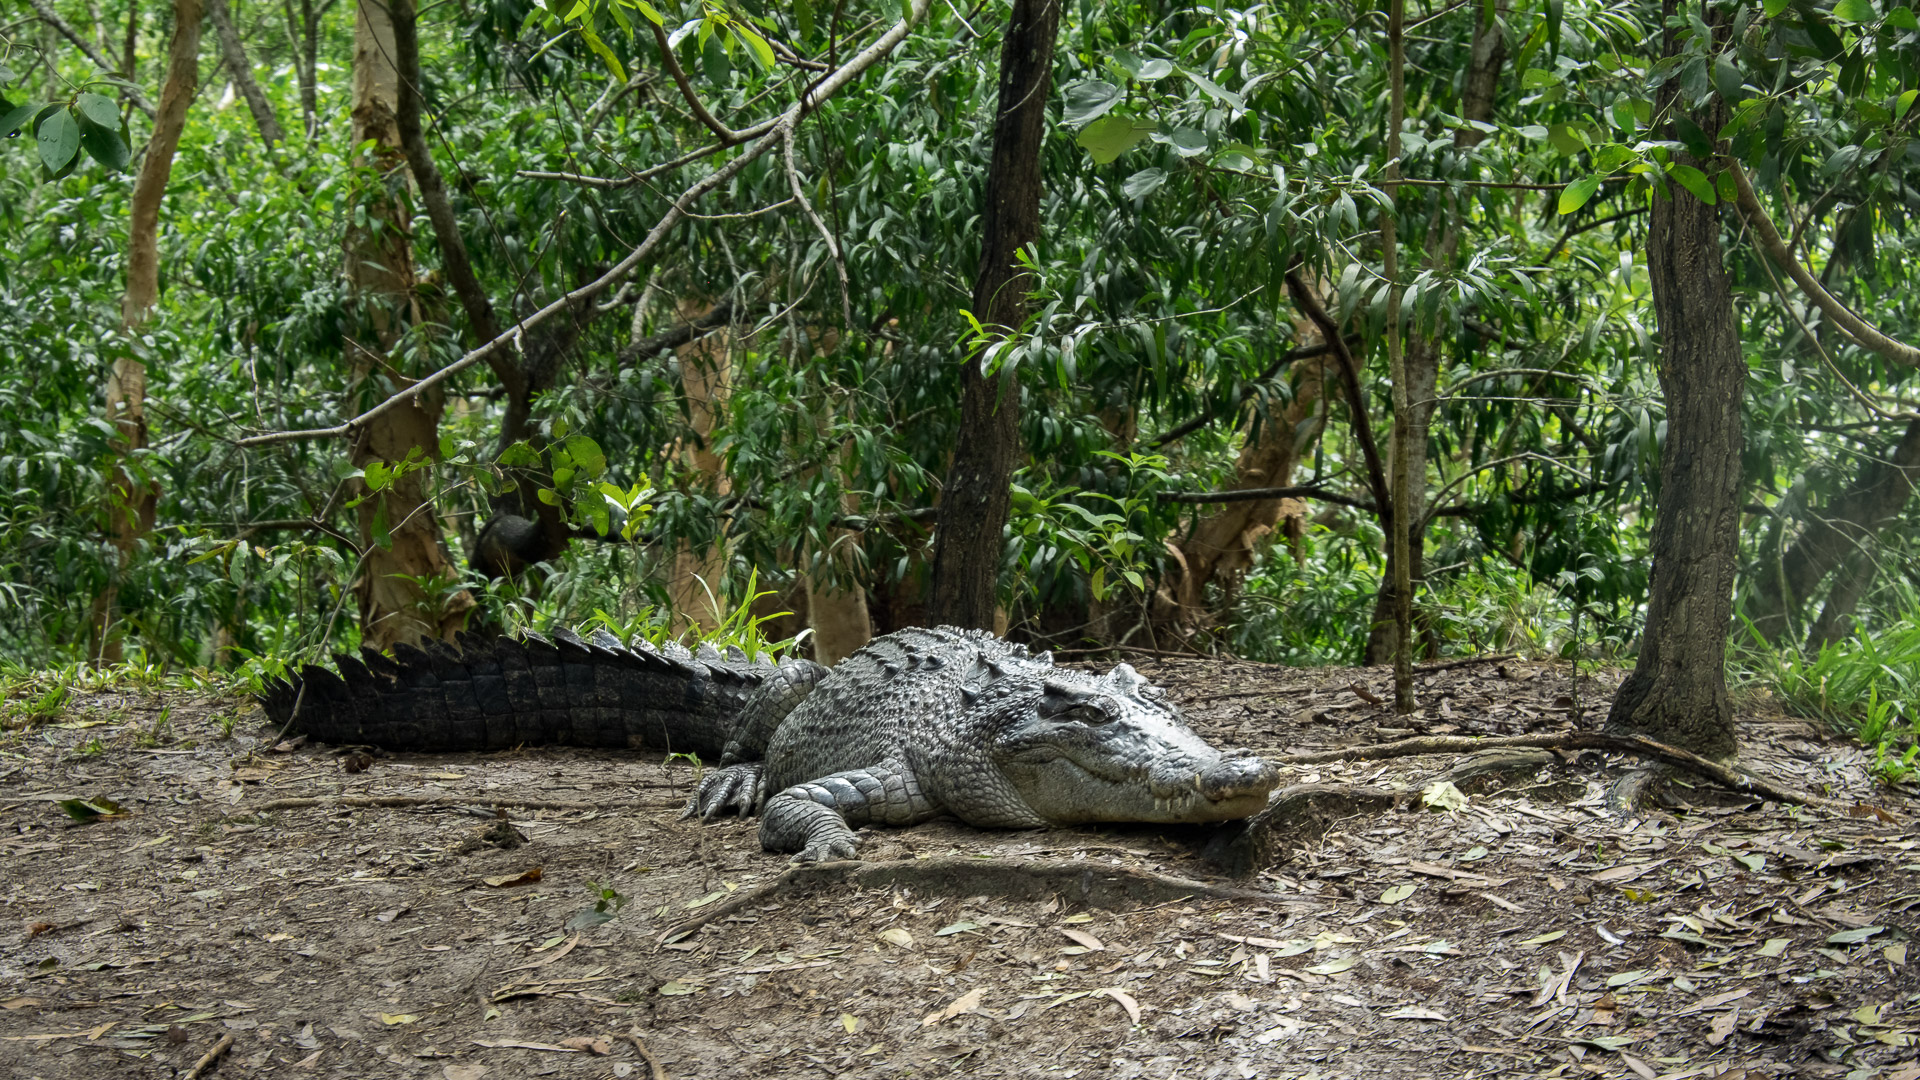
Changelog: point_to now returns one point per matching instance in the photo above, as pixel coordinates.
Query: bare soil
(1533, 932)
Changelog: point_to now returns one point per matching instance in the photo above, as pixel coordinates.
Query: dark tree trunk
(974, 504)
(1884, 484)
(1677, 692)
(235, 54)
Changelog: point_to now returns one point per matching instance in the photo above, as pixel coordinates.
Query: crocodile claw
(735, 787)
(828, 849)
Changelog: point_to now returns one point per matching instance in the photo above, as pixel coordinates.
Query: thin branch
(571, 301)
(1302, 491)
(1350, 382)
(826, 234)
(700, 113)
(1842, 316)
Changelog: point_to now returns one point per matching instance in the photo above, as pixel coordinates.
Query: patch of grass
(1866, 686)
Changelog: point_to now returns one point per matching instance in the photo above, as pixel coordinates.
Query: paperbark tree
(1677, 693)
(131, 497)
(975, 501)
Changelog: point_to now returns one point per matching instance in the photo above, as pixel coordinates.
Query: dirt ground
(1531, 932)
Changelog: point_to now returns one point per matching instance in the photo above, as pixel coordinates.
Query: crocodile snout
(1237, 778)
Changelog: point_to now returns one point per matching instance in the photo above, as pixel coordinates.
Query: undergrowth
(1865, 686)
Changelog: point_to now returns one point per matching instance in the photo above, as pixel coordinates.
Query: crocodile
(918, 723)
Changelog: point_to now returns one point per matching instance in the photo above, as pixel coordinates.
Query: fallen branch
(206, 1060)
(1010, 879)
(306, 801)
(1570, 740)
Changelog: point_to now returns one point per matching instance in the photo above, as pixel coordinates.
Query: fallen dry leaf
(965, 1003)
(508, 881)
(1082, 937)
(1722, 1027)
(592, 1044)
(1126, 1001)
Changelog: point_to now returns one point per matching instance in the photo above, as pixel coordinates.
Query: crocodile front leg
(816, 819)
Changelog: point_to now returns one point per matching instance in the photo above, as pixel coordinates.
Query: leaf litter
(1521, 925)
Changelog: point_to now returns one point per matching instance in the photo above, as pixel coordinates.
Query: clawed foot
(735, 787)
(829, 849)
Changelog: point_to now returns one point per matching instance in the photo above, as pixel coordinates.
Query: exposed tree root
(1491, 768)
(1296, 815)
(1743, 782)
(1075, 881)
(1636, 788)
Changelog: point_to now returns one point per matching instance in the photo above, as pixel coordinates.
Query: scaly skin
(921, 722)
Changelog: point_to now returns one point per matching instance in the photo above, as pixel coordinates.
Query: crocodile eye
(1086, 714)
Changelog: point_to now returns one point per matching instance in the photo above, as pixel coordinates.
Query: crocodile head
(1085, 748)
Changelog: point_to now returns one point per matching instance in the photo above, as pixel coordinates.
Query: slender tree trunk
(399, 526)
(1487, 56)
(127, 52)
(974, 504)
(1677, 693)
(1881, 489)
(131, 498)
(1406, 476)
(235, 55)
(303, 31)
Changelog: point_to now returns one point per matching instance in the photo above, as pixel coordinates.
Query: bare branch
(774, 128)
(833, 247)
(1842, 316)
(700, 113)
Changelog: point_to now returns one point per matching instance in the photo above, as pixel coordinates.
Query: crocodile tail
(492, 695)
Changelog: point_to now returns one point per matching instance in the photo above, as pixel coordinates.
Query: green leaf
(1566, 139)
(1089, 100)
(1143, 183)
(1575, 195)
(1900, 105)
(16, 118)
(1774, 7)
(605, 54)
(1216, 91)
(59, 139)
(803, 18)
(1728, 80)
(756, 44)
(1902, 18)
(104, 146)
(587, 455)
(99, 109)
(652, 14)
(1153, 70)
(1694, 181)
(1855, 11)
(1110, 136)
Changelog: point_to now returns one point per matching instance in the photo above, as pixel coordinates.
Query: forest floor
(1531, 932)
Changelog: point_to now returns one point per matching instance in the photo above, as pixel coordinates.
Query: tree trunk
(1487, 56)
(235, 55)
(303, 31)
(1677, 693)
(1884, 484)
(1222, 545)
(131, 500)
(974, 503)
(696, 587)
(404, 588)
